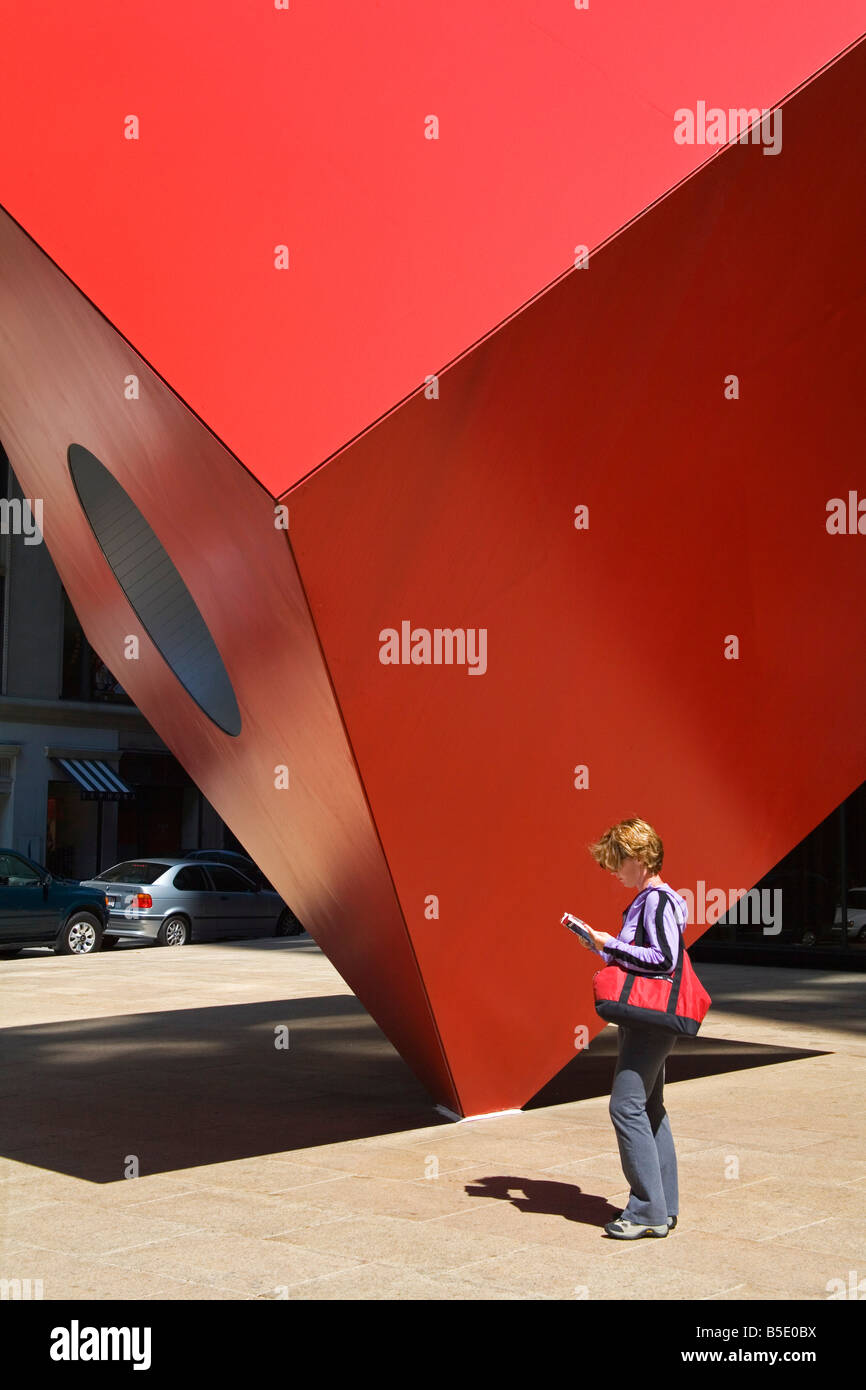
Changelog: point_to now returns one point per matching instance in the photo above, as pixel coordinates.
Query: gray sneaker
(672, 1220)
(623, 1229)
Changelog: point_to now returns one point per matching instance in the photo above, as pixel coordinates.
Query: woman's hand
(600, 938)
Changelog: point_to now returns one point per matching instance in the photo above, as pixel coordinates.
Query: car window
(226, 880)
(229, 857)
(857, 898)
(17, 873)
(134, 871)
(191, 879)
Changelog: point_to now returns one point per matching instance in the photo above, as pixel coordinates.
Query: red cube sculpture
(468, 454)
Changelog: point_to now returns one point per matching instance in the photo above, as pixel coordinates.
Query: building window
(85, 674)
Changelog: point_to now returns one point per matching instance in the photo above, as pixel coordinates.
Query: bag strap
(676, 976)
(671, 969)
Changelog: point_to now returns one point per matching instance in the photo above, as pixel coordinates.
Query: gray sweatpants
(646, 1145)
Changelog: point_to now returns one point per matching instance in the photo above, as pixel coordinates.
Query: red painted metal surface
(605, 646)
(707, 517)
(305, 127)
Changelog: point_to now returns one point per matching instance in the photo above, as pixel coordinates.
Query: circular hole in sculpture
(154, 589)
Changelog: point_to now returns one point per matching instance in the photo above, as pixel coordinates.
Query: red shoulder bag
(675, 1001)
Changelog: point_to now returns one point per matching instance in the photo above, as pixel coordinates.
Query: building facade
(84, 780)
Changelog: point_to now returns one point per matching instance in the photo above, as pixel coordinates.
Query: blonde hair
(630, 839)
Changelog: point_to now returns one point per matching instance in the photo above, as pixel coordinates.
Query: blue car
(38, 909)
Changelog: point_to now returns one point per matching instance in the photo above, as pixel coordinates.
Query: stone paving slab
(329, 1175)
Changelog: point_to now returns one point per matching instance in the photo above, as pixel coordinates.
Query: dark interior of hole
(161, 601)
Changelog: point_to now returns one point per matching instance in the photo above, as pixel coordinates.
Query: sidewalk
(321, 1170)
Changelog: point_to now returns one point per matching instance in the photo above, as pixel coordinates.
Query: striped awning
(98, 782)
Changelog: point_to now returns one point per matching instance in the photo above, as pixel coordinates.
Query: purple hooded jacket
(664, 920)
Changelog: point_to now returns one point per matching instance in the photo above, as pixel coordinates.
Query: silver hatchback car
(173, 901)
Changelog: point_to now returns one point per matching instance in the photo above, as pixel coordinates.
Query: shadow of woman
(543, 1196)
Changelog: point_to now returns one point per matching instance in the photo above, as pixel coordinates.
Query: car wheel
(173, 932)
(288, 924)
(13, 951)
(109, 942)
(861, 935)
(81, 936)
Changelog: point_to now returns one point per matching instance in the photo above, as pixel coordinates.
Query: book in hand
(579, 928)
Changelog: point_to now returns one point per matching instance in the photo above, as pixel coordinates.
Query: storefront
(75, 829)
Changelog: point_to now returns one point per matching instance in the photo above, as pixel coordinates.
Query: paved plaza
(284, 1150)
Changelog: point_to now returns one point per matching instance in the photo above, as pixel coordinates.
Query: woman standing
(634, 853)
